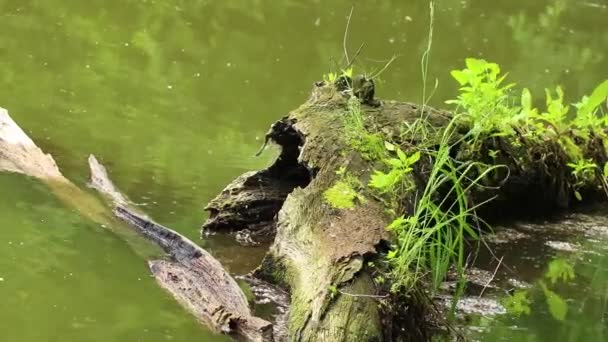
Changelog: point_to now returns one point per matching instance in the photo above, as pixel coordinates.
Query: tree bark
(321, 254)
(194, 277)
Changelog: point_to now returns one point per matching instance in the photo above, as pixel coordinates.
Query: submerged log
(321, 254)
(196, 279)
(193, 276)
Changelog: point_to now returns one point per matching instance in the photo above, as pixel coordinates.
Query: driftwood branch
(193, 276)
(19, 154)
(196, 279)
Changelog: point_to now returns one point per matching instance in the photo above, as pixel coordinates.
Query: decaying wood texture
(321, 254)
(196, 279)
(318, 248)
(19, 154)
(193, 276)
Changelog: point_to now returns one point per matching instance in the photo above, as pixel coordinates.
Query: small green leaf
(559, 269)
(477, 66)
(348, 72)
(518, 303)
(389, 146)
(394, 162)
(381, 181)
(391, 255)
(413, 158)
(599, 94)
(578, 196)
(402, 156)
(460, 76)
(397, 223)
(557, 306)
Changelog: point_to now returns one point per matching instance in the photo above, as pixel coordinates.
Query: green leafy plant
(330, 77)
(398, 167)
(430, 235)
(518, 303)
(348, 72)
(584, 172)
(556, 114)
(490, 109)
(484, 98)
(587, 116)
(559, 269)
(557, 305)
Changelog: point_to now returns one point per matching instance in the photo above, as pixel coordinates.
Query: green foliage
(484, 98)
(556, 113)
(433, 237)
(385, 182)
(332, 77)
(559, 269)
(584, 173)
(430, 237)
(587, 115)
(557, 305)
(518, 303)
(347, 72)
(490, 108)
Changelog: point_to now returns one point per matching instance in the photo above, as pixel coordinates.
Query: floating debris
(507, 235)
(562, 246)
(518, 283)
(474, 305)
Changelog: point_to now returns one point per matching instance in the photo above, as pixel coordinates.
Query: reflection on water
(174, 96)
(64, 278)
(566, 298)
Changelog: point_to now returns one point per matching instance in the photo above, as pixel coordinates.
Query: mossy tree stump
(322, 254)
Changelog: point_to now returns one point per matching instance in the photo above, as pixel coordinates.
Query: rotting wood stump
(321, 254)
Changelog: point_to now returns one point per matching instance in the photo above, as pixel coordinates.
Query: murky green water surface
(174, 96)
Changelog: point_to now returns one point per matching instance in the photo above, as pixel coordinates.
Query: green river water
(174, 97)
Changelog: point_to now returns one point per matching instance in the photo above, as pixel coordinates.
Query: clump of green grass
(432, 237)
(370, 145)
